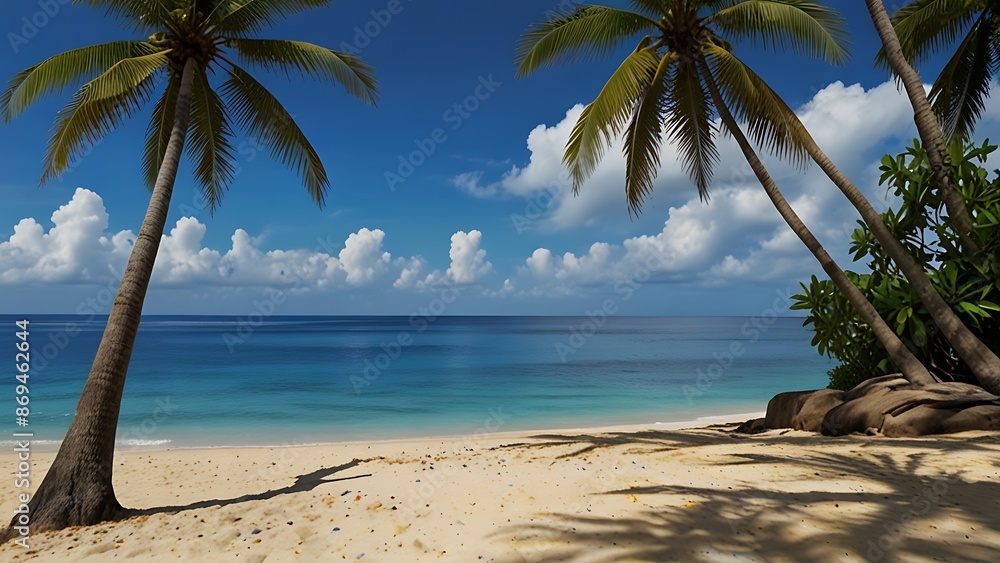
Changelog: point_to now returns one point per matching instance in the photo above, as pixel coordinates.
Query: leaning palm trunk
(985, 365)
(77, 490)
(912, 368)
(927, 127)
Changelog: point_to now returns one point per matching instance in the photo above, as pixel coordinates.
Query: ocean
(227, 381)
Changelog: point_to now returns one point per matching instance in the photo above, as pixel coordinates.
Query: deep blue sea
(214, 381)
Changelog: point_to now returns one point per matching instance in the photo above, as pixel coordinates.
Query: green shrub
(970, 284)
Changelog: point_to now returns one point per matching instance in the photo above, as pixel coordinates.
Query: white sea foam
(132, 443)
(141, 443)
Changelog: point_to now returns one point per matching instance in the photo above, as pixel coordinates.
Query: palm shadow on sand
(741, 524)
(306, 482)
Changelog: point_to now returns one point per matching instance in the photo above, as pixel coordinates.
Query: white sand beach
(613, 494)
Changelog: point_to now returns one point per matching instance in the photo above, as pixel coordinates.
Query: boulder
(801, 410)
(899, 410)
(886, 405)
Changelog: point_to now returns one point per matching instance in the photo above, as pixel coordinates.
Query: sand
(614, 494)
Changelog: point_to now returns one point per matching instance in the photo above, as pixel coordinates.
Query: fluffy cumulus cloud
(468, 261)
(79, 249)
(848, 122)
(75, 248)
(362, 257)
(693, 246)
(737, 235)
(468, 265)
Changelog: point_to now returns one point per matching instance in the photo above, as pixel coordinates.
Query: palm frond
(808, 28)
(210, 142)
(161, 124)
(585, 33)
(55, 74)
(959, 94)
(98, 107)
(603, 119)
(246, 17)
(348, 70)
(643, 135)
(689, 124)
(136, 14)
(770, 122)
(652, 8)
(262, 117)
(926, 26)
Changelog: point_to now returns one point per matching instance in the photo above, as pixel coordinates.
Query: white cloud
(411, 274)
(737, 235)
(362, 257)
(78, 249)
(848, 122)
(70, 251)
(468, 261)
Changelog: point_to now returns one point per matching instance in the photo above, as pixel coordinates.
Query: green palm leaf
(689, 124)
(643, 135)
(161, 123)
(244, 17)
(585, 33)
(770, 122)
(603, 119)
(806, 27)
(313, 61)
(925, 26)
(209, 142)
(55, 74)
(98, 107)
(264, 118)
(652, 8)
(960, 91)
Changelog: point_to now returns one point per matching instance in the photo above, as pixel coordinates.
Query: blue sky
(480, 213)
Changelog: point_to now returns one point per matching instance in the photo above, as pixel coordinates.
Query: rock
(801, 410)
(753, 426)
(898, 410)
(886, 405)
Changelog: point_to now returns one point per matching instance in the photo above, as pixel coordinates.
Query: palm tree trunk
(77, 490)
(927, 125)
(912, 368)
(984, 364)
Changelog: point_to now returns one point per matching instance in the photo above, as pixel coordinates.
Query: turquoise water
(198, 381)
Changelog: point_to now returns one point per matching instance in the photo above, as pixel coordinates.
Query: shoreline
(51, 446)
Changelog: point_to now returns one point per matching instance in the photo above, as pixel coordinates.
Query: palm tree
(682, 68)
(191, 40)
(959, 94)
(770, 120)
(959, 97)
(962, 82)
